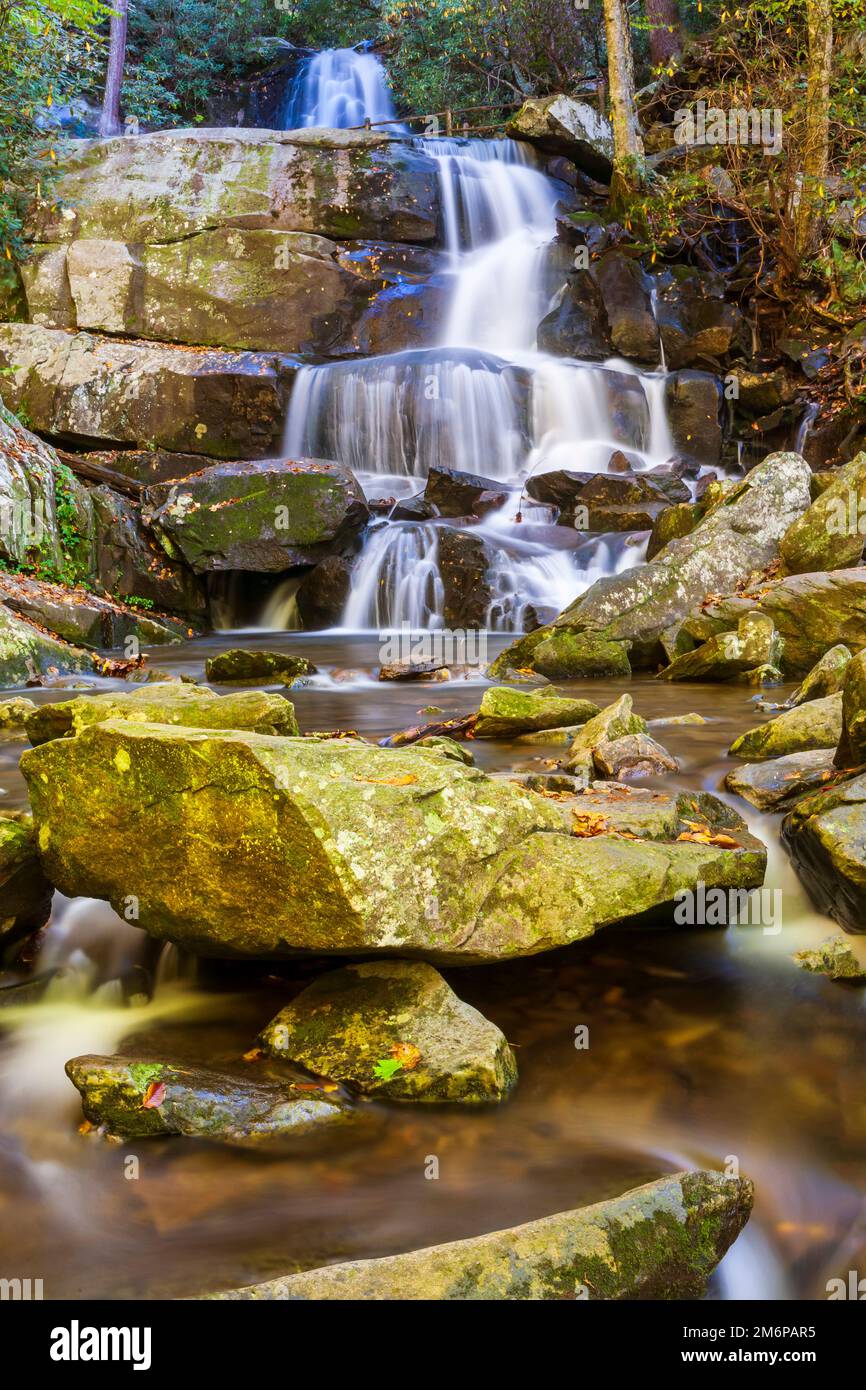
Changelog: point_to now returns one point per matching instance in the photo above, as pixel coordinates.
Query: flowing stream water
(707, 1046)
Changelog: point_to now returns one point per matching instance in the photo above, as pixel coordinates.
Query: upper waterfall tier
(339, 88)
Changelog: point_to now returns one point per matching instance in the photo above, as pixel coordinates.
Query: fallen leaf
(407, 1055)
(154, 1095)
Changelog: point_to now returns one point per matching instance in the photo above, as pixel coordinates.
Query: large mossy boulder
(27, 653)
(264, 515)
(852, 743)
(130, 563)
(814, 612)
(825, 834)
(25, 893)
(183, 400)
(28, 506)
(242, 665)
(738, 537)
(832, 533)
(660, 1241)
(505, 712)
(395, 1030)
(727, 656)
(826, 677)
(167, 186)
(188, 706)
(140, 1097)
(562, 125)
(816, 724)
(247, 845)
(77, 615)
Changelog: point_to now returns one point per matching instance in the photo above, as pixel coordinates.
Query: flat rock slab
(775, 784)
(658, 1241)
(142, 1097)
(244, 844)
(190, 706)
(396, 1030)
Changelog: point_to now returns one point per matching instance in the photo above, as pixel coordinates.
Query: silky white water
(338, 88)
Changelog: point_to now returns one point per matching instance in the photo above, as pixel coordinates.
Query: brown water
(707, 1047)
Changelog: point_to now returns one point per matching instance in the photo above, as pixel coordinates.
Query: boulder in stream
(852, 744)
(246, 665)
(773, 785)
(25, 893)
(826, 677)
(27, 653)
(816, 724)
(833, 958)
(190, 706)
(825, 833)
(505, 712)
(659, 1241)
(139, 1097)
(240, 844)
(395, 1030)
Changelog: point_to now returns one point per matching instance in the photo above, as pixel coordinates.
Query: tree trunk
(109, 121)
(816, 142)
(628, 158)
(665, 35)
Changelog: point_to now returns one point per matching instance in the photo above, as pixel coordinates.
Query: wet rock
(684, 1225)
(633, 755)
(415, 669)
(833, 958)
(561, 655)
(656, 817)
(671, 523)
(394, 1030)
(323, 593)
(144, 466)
(577, 325)
(814, 612)
(832, 533)
(735, 539)
(825, 834)
(559, 737)
(674, 719)
(263, 515)
(731, 655)
(693, 401)
(465, 565)
(505, 712)
(130, 563)
(696, 324)
(13, 713)
(256, 664)
(816, 724)
(77, 616)
(562, 125)
(239, 844)
(26, 653)
(215, 402)
(626, 501)
(559, 488)
(613, 722)
(189, 706)
(826, 677)
(626, 296)
(455, 493)
(25, 893)
(448, 747)
(773, 785)
(169, 186)
(145, 1097)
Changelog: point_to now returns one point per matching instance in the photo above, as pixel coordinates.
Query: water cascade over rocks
(483, 399)
(338, 88)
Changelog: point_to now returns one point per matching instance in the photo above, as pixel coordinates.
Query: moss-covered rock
(825, 833)
(505, 712)
(660, 1241)
(140, 1097)
(739, 536)
(613, 722)
(189, 706)
(13, 714)
(826, 677)
(731, 655)
(852, 743)
(632, 755)
(562, 125)
(242, 844)
(831, 534)
(814, 612)
(264, 515)
(815, 724)
(246, 665)
(28, 508)
(833, 958)
(394, 1029)
(773, 785)
(562, 655)
(26, 653)
(25, 893)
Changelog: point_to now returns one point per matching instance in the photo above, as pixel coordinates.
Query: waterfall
(483, 400)
(339, 88)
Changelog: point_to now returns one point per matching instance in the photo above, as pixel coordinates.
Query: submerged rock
(659, 1241)
(242, 665)
(825, 834)
(25, 893)
(773, 785)
(394, 1029)
(739, 536)
(833, 958)
(505, 712)
(190, 706)
(143, 1097)
(247, 845)
(816, 724)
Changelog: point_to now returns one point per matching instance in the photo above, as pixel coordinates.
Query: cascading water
(338, 88)
(483, 400)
